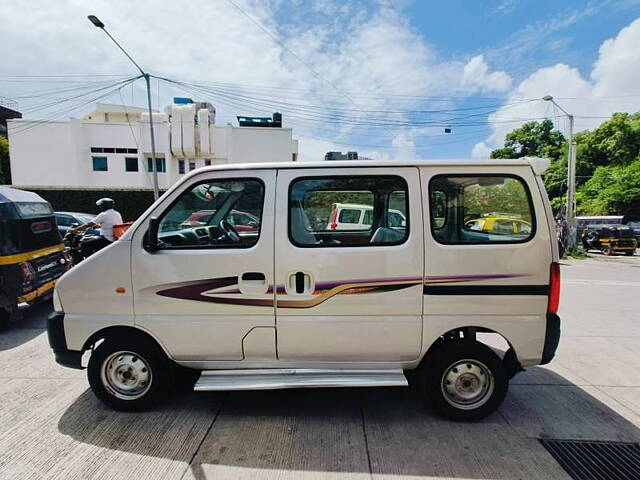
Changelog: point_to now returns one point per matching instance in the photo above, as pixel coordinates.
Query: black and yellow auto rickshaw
(32, 255)
(609, 239)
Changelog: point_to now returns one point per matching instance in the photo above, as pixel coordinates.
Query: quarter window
(480, 209)
(205, 216)
(347, 211)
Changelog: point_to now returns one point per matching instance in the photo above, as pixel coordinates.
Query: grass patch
(577, 252)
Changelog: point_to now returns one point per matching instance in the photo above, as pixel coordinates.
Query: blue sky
(381, 77)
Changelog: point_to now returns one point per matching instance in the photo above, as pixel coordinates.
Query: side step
(272, 379)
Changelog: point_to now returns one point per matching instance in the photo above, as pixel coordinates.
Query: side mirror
(151, 237)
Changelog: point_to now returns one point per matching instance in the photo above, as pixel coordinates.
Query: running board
(272, 379)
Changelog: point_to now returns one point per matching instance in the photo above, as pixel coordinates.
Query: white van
(296, 304)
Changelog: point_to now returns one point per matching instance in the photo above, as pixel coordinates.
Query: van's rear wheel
(465, 380)
(130, 374)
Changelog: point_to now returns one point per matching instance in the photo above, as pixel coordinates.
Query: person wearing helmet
(105, 220)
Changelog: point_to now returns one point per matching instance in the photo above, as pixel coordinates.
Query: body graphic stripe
(225, 290)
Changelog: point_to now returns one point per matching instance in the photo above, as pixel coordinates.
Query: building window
(96, 149)
(180, 167)
(161, 166)
(99, 164)
(192, 164)
(207, 162)
(109, 150)
(132, 150)
(480, 209)
(131, 164)
(121, 150)
(348, 211)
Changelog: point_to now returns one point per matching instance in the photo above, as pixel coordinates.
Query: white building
(110, 148)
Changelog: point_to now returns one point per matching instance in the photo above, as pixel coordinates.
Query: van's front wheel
(129, 374)
(465, 380)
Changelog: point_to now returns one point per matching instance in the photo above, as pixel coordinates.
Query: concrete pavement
(52, 427)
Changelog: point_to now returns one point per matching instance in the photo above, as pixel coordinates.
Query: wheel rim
(467, 384)
(126, 375)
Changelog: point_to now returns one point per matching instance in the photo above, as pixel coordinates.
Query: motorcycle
(74, 243)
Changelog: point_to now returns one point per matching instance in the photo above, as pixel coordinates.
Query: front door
(349, 294)
(209, 283)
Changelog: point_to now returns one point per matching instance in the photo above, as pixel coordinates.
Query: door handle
(253, 283)
(299, 283)
(253, 277)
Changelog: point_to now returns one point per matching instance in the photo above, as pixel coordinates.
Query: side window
(346, 211)
(202, 216)
(480, 209)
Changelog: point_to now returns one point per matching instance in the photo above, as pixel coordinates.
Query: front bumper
(58, 343)
(551, 338)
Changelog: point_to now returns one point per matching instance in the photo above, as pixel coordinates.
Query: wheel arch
(122, 331)
(468, 332)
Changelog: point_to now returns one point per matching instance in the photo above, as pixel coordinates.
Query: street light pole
(571, 178)
(96, 22)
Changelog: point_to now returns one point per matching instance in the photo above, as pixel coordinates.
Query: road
(52, 427)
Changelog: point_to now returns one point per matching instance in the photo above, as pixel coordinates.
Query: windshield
(33, 209)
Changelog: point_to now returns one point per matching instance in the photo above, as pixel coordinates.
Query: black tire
(629, 253)
(141, 356)
(481, 361)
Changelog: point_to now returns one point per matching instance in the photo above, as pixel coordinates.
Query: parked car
(499, 225)
(242, 221)
(609, 239)
(66, 220)
(348, 216)
(297, 306)
(634, 225)
(32, 255)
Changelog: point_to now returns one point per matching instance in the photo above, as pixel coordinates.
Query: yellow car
(499, 225)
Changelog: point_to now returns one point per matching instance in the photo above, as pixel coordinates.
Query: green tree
(613, 190)
(533, 139)
(5, 169)
(614, 142)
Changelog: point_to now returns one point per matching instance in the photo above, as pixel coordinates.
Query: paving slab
(296, 434)
(568, 412)
(407, 440)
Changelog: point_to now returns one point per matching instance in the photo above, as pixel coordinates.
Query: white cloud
(476, 77)
(615, 76)
(480, 150)
(353, 48)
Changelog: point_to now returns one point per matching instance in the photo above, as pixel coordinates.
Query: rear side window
(480, 209)
(348, 211)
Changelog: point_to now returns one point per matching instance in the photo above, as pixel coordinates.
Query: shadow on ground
(383, 431)
(32, 322)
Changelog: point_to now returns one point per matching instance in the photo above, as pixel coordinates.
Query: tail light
(333, 223)
(554, 288)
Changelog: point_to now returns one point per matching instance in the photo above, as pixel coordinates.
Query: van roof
(526, 161)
